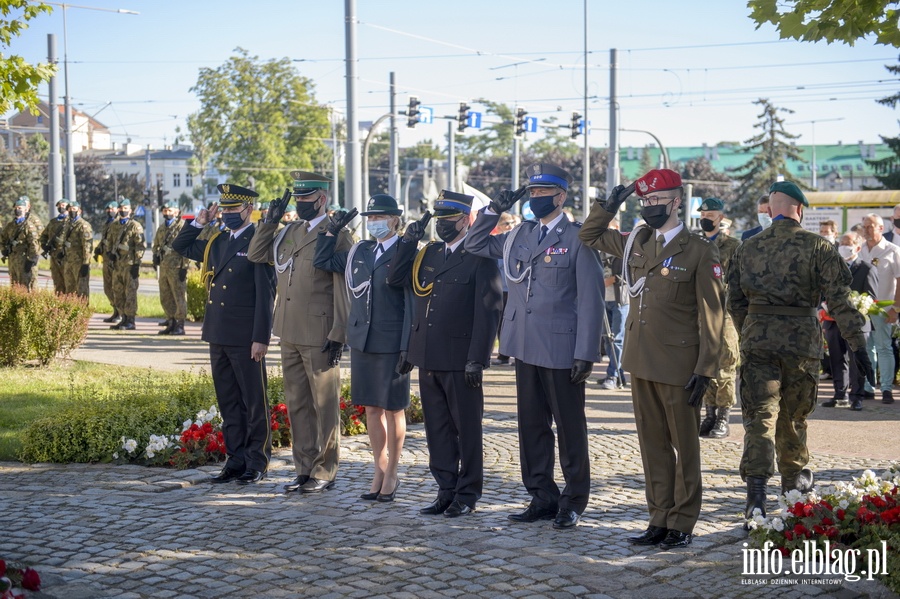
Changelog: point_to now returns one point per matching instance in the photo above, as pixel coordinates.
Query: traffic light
(576, 122)
(412, 113)
(463, 117)
(520, 121)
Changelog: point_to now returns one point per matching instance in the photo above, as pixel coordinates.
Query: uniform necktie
(379, 250)
(544, 231)
(660, 240)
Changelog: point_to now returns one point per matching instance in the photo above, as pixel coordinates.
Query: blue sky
(688, 72)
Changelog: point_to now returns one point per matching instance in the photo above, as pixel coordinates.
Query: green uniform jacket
(126, 242)
(787, 266)
(162, 246)
(77, 240)
(22, 239)
(49, 239)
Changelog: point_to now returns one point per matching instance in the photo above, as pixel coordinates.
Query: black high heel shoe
(386, 497)
(370, 496)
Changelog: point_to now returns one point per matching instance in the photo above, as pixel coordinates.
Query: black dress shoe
(457, 509)
(251, 476)
(225, 475)
(533, 514)
(370, 496)
(386, 497)
(314, 485)
(676, 539)
(438, 506)
(295, 484)
(652, 536)
(566, 519)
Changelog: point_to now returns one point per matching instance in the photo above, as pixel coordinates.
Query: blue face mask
(233, 220)
(379, 229)
(169, 222)
(541, 206)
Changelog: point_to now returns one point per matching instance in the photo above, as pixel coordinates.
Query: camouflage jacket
(162, 246)
(77, 241)
(125, 242)
(49, 239)
(104, 235)
(22, 239)
(776, 280)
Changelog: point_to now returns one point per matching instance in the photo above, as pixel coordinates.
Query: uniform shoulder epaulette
(577, 223)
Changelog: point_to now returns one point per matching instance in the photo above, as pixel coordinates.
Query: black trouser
(545, 395)
(453, 413)
(240, 384)
(843, 367)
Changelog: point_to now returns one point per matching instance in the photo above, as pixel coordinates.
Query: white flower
(129, 445)
(186, 424)
(778, 524)
(116, 456)
(843, 504)
(793, 496)
(752, 524)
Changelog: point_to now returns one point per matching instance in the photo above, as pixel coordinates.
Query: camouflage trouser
(720, 392)
(75, 283)
(172, 293)
(778, 392)
(19, 275)
(124, 290)
(108, 270)
(57, 273)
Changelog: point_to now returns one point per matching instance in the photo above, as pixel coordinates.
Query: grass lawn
(148, 305)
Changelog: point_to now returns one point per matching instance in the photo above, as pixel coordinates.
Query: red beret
(657, 180)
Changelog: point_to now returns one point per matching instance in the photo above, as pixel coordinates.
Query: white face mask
(764, 219)
(846, 252)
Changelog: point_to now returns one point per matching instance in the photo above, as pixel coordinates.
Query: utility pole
(353, 198)
(612, 170)
(451, 155)
(55, 166)
(394, 177)
(586, 161)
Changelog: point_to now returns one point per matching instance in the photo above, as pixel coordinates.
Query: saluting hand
(415, 231)
(204, 217)
(258, 351)
(506, 199)
(697, 386)
(277, 207)
(339, 220)
(617, 197)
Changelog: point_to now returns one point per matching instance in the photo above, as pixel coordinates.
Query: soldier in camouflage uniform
(719, 397)
(125, 247)
(775, 281)
(48, 241)
(19, 243)
(76, 241)
(173, 268)
(100, 253)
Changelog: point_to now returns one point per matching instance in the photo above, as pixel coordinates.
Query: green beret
(23, 201)
(124, 202)
(73, 204)
(263, 205)
(63, 201)
(791, 189)
(112, 204)
(712, 204)
(290, 208)
(172, 204)
(333, 207)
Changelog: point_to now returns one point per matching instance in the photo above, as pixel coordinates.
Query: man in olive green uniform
(672, 343)
(311, 308)
(173, 269)
(776, 280)
(126, 246)
(719, 397)
(19, 243)
(76, 242)
(49, 247)
(102, 253)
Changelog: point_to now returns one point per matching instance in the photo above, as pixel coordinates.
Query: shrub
(40, 325)
(196, 296)
(353, 418)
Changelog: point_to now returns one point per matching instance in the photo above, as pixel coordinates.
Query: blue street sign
(139, 211)
(531, 124)
(426, 114)
(473, 120)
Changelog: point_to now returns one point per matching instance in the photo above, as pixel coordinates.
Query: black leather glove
(29, 265)
(581, 370)
(403, 365)
(474, 374)
(506, 199)
(339, 220)
(182, 274)
(135, 271)
(334, 349)
(97, 253)
(277, 207)
(415, 230)
(60, 256)
(864, 364)
(84, 271)
(697, 386)
(156, 260)
(617, 197)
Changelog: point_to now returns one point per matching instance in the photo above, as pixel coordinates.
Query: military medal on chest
(664, 271)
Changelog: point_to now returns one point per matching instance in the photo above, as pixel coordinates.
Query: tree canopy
(830, 20)
(258, 121)
(19, 80)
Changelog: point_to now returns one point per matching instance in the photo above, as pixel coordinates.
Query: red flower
(31, 581)
(799, 530)
(832, 532)
(819, 529)
(275, 426)
(343, 405)
(2, 567)
(789, 535)
(784, 551)
(827, 521)
(826, 505)
(840, 514)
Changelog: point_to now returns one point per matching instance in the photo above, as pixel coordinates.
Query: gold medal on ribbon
(664, 271)
(547, 259)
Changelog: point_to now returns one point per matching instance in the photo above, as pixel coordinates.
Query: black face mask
(446, 230)
(707, 225)
(655, 216)
(896, 222)
(307, 210)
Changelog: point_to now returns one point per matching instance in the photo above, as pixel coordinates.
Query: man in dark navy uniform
(237, 326)
(457, 310)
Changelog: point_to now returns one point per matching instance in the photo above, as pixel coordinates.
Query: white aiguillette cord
(280, 267)
(633, 289)
(507, 246)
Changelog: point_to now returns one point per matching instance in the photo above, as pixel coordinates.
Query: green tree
(494, 139)
(771, 149)
(23, 172)
(887, 170)
(708, 182)
(95, 188)
(19, 80)
(829, 20)
(260, 120)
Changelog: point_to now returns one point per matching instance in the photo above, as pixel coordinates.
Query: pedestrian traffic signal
(463, 117)
(520, 121)
(412, 113)
(576, 125)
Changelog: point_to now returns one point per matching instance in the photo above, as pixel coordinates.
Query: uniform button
(528, 311)
(651, 273)
(429, 324)
(213, 285)
(229, 270)
(224, 286)
(221, 303)
(643, 322)
(210, 301)
(437, 281)
(534, 278)
(531, 294)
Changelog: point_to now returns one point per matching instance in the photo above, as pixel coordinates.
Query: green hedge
(40, 325)
(196, 297)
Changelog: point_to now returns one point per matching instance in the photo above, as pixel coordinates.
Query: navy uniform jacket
(457, 322)
(241, 294)
(380, 317)
(553, 315)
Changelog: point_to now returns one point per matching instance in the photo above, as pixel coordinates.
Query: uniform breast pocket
(680, 290)
(457, 279)
(557, 272)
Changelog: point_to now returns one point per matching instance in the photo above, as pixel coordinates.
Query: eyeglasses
(655, 200)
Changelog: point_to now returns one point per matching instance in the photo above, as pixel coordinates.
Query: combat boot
(708, 421)
(756, 497)
(720, 428)
(114, 318)
(170, 325)
(802, 482)
(178, 328)
(164, 323)
(127, 324)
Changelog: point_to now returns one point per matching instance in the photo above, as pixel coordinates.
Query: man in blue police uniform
(551, 326)
(457, 310)
(237, 326)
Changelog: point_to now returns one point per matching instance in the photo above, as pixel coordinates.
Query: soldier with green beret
(19, 243)
(125, 248)
(101, 254)
(290, 214)
(173, 268)
(776, 280)
(76, 243)
(48, 240)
